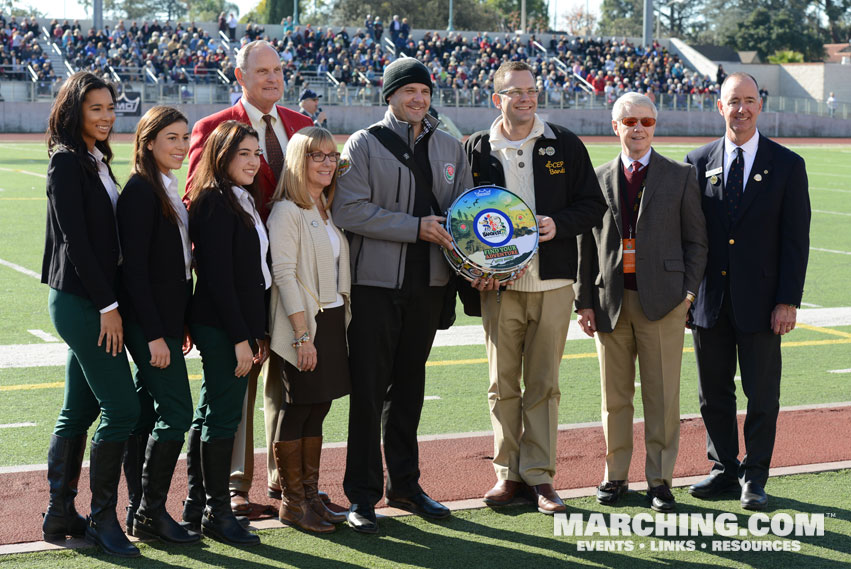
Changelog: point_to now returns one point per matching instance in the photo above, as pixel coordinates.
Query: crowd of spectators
(20, 53)
(568, 67)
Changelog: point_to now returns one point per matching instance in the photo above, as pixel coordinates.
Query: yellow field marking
(824, 330)
(474, 361)
(27, 386)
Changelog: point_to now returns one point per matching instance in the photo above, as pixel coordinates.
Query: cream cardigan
(302, 272)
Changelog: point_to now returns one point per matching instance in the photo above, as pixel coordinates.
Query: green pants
(219, 409)
(95, 381)
(164, 396)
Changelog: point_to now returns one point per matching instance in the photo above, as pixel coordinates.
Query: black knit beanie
(402, 72)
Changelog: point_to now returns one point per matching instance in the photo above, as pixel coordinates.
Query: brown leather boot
(311, 453)
(294, 508)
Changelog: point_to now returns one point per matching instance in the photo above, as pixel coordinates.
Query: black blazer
(764, 251)
(153, 276)
(81, 249)
(230, 292)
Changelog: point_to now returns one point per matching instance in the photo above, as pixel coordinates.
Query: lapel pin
(542, 152)
(758, 178)
(550, 151)
(314, 223)
(713, 180)
(765, 171)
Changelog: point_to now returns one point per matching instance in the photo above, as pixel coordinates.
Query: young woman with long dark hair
(157, 284)
(227, 315)
(81, 258)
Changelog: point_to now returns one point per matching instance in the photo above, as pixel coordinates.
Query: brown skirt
(330, 380)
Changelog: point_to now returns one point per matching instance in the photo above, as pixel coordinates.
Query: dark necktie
(274, 154)
(632, 171)
(735, 184)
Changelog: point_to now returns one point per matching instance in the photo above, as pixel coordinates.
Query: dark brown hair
(143, 164)
(219, 150)
(505, 68)
(65, 125)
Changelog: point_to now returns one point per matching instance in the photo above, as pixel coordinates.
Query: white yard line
(20, 269)
(830, 251)
(18, 171)
(42, 335)
(847, 370)
(16, 425)
(831, 212)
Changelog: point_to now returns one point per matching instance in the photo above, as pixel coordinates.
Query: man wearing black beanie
(390, 202)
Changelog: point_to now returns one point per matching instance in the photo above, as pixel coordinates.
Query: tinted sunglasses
(632, 121)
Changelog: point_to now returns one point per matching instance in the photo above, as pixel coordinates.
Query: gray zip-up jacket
(374, 202)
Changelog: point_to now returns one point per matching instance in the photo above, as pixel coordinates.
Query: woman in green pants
(228, 312)
(81, 258)
(156, 284)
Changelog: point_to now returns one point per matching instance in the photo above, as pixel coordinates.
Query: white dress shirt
(335, 249)
(644, 160)
(247, 203)
(171, 190)
(748, 154)
(112, 190)
(255, 115)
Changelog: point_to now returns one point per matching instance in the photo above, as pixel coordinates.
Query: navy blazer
(230, 292)
(153, 276)
(764, 251)
(81, 249)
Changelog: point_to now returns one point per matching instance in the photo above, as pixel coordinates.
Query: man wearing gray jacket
(638, 270)
(392, 213)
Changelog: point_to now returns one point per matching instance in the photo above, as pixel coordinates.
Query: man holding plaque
(526, 323)
(638, 270)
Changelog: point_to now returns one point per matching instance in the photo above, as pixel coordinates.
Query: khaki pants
(659, 347)
(524, 335)
(242, 459)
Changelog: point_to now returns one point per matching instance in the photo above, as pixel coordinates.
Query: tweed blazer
(302, 272)
(671, 243)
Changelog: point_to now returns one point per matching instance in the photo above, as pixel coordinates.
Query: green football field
(457, 375)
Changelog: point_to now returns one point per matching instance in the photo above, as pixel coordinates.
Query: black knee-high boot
(193, 506)
(104, 474)
(64, 460)
(218, 521)
(134, 459)
(152, 519)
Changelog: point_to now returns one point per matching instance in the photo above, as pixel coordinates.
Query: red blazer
(266, 180)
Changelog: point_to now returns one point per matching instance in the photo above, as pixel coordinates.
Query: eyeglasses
(320, 156)
(632, 121)
(517, 93)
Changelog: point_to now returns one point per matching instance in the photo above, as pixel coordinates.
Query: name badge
(629, 256)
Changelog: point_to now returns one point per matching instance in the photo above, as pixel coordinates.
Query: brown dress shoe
(502, 493)
(548, 501)
(239, 502)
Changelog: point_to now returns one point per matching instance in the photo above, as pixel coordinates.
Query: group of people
(323, 273)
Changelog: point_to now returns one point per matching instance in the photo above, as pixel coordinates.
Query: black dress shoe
(661, 499)
(610, 491)
(420, 504)
(753, 496)
(714, 485)
(361, 518)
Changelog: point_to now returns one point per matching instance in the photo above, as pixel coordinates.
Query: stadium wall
(32, 118)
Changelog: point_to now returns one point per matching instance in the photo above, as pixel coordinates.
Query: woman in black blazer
(228, 312)
(81, 259)
(156, 284)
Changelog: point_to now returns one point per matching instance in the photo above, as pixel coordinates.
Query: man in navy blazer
(258, 71)
(757, 208)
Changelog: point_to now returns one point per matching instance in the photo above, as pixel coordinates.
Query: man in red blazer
(258, 71)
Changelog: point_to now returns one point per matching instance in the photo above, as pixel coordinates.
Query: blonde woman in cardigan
(309, 315)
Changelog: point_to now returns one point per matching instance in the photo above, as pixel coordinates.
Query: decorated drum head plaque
(494, 233)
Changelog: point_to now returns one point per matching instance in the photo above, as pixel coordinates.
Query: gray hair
(631, 99)
(245, 51)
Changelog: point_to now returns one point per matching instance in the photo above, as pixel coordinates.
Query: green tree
(621, 17)
(423, 14)
(209, 10)
(767, 31)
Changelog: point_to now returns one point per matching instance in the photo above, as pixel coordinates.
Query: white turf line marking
(831, 212)
(46, 336)
(847, 370)
(452, 436)
(16, 425)
(19, 268)
(809, 305)
(832, 190)
(17, 171)
(830, 251)
(431, 398)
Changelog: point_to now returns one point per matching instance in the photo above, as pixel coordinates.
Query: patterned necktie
(274, 154)
(735, 184)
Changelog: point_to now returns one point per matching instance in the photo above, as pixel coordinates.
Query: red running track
(460, 468)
